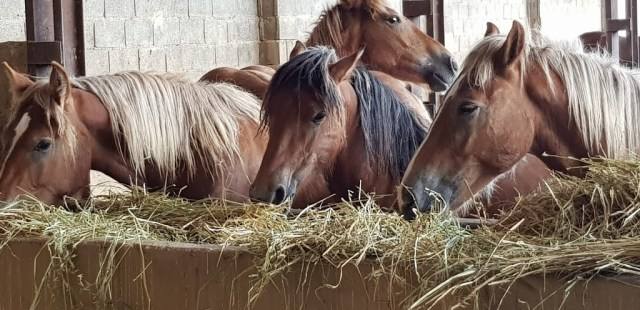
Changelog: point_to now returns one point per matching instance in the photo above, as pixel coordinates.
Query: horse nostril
(408, 204)
(280, 195)
(453, 65)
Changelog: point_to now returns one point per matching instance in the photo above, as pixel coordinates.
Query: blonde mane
(603, 96)
(172, 122)
(329, 27)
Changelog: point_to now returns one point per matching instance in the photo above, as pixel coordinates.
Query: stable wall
(194, 36)
(170, 35)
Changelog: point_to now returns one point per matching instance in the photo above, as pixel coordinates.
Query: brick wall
(561, 19)
(190, 36)
(12, 20)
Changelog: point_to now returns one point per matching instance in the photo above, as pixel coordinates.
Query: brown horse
(394, 45)
(253, 79)
(515, 96)
(194, 139)
(335, 128)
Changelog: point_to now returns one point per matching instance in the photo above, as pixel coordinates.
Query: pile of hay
(576, 228)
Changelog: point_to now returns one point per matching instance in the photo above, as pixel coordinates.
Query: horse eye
(393, 19)
(467, 109)
(319, 117)
(43, 146)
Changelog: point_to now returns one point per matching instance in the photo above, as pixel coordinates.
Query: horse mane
(602, 94)
(328, 28)
(392, 131)
(173, 122)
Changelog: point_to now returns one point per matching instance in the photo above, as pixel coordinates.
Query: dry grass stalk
(576, 228)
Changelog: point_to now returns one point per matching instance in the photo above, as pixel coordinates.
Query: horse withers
(196, 140)
(335, 129)
(516, 96)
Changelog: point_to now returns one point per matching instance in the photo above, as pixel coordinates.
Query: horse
(253, 79)
(395, 45)
(520, 94)
(334, 128)
(196, 140)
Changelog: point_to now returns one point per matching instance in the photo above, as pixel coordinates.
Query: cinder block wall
(194, 36)
(285, 21)
(12, 20)
(191, 36)
(465, 20)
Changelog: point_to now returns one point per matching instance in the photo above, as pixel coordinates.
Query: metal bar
(69, 20)
(617, 24)
(435, 28)
(415, 8)
(613, 43)
(632, 34)
(42, 53)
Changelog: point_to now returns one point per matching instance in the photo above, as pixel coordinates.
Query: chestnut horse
(253, 79)
(335, 128)
(394, 45)
(194, 139)
(517, 96)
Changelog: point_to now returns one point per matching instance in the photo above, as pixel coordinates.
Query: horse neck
(105, 155)
(555, 132)
(350, 34)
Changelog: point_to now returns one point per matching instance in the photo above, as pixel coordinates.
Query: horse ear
(492, 29)
(59, 83)
(513, 47)
(18, 82)
(297, 50)
(343, 69)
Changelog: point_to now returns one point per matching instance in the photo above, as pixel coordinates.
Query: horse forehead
(19, 130)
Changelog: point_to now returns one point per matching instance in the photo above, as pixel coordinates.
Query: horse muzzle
(423, 197)
(278, 194)
(440, 72)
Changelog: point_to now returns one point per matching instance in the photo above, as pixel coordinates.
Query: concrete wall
(190, 36)
(194, 36)
(12, 20)
(285, 21)
(561, 19)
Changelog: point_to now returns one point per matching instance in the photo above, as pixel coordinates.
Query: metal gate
(621, 16)
(55, 33)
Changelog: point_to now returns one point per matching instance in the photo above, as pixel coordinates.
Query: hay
(575, 229)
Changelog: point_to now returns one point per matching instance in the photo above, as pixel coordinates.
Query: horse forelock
(56, 114)
(602, 95)
(173, 122)
(305, 73)
(375, 7)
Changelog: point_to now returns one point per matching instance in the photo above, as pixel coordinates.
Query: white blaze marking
(20, 129)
